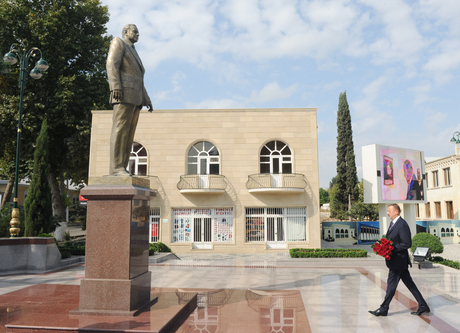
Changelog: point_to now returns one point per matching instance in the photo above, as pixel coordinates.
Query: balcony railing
(269, 182)
(202, 183)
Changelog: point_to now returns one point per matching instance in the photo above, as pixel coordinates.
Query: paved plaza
(263, 293)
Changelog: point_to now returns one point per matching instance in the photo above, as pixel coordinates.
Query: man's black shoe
(420, 311)
(379, 312)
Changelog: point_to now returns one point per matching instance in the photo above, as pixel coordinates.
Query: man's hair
(396, 206)
(126, 28)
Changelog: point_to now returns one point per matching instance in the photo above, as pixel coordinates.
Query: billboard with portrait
(393, 174)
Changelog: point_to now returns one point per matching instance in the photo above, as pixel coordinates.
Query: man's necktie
(391, 225)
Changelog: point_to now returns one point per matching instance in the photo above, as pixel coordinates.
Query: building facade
(241, 180)
(441, 212)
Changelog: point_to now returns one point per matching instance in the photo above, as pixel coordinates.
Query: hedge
(327, 253)
(445, 262)
(74, 248)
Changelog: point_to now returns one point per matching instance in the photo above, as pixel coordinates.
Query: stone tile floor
(272, 292)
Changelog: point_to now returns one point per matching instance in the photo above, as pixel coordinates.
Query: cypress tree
(345, 189)
(38, 205)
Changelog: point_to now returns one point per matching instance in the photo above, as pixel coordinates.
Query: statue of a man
(127, 95)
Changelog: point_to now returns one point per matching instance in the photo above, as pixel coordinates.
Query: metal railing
(270, 180)
(199, 182)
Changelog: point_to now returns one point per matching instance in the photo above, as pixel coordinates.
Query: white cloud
(173, 93)
(369, 117)
(422, 92)
(225, 103)
(400, 40)
(270, 92)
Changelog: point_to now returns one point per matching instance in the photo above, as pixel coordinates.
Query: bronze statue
(127, 95)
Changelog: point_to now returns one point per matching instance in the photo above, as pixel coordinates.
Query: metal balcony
(269, 182)
(202, 184)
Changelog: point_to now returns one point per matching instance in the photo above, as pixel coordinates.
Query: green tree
(323, 196)
(338, 214)
(346, 191)
(38, 206)
(72, 37)
(361, 211)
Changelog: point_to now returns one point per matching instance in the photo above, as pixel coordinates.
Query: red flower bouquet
(383, 247)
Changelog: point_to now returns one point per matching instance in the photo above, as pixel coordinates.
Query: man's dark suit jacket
(401, 237)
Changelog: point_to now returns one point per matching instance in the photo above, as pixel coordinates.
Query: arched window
(203, 159)
(138, 160)
(276, 157)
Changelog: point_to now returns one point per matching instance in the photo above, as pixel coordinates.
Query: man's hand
(118, 95)
(149, 107)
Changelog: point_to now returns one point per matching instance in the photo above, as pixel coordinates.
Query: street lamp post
(18, 52)
(456, 140)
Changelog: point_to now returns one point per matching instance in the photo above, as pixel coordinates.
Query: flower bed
(327, 253)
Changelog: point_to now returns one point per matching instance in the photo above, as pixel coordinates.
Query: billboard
(393, 174)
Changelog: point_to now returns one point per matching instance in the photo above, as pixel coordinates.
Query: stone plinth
(28, 255)
(117, 280)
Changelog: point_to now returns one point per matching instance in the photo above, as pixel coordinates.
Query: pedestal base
(117, 280)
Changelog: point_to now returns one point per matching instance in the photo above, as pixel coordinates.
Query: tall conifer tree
(38, 205)
(345, 189)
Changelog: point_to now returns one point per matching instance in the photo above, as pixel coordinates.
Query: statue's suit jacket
(126, 72)
(401, 237)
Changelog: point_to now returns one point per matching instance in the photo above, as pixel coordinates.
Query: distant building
(240, 180)
(23, 189)
(441, 212)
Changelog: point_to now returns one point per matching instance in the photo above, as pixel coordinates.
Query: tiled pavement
(266, 292)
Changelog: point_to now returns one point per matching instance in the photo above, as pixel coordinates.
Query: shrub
(158, 247)
(327, 253)
(65, 254)
(424, 239)
(48, 235)
(445, 262)
(74, 248)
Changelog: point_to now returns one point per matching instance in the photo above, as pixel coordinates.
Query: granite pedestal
(117, 280)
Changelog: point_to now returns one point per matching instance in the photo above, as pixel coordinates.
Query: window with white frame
(138, 160)
(202, 225)
(276, 224)
(203, 159)
(276, 157)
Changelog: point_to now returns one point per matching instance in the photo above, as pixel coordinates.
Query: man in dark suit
(399, 233)
(127, 94)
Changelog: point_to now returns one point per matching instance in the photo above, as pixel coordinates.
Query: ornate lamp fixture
(19, 53)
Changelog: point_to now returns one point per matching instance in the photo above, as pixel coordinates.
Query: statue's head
(131, 32)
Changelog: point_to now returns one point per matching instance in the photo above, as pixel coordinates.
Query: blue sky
(398, 61)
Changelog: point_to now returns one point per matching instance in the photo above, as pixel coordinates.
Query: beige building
(443, 189)
(243, 180)
(442, 210)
